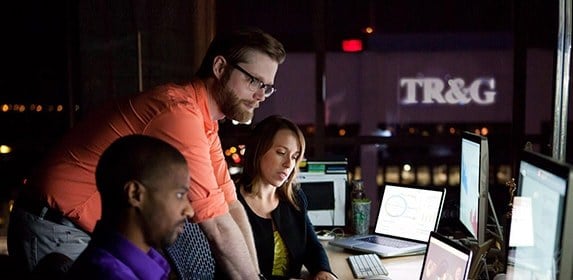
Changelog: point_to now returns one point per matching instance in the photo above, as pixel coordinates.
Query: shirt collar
(150, 265)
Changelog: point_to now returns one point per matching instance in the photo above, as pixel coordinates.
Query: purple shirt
(110, 256)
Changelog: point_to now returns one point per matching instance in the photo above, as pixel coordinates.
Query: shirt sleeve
(183, 127)
(221, 171)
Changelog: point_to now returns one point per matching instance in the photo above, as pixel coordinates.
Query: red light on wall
(352, 45)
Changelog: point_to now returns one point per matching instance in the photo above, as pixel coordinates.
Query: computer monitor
(541, 229)
(445, 259)
(474, 175)
(326, 197)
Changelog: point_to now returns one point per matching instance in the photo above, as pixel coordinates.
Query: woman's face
(280, 160)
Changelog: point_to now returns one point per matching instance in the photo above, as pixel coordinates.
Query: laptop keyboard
(388, 242)
(366, 265)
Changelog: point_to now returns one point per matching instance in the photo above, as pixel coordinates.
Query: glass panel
(393, 174)
(424, 176)
(440, 175)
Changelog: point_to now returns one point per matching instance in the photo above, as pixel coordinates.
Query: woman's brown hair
(260, 141)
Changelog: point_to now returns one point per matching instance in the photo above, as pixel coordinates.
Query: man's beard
(229, 104)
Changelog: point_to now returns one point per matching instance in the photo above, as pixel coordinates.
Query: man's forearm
(240, 216)
(229, 247)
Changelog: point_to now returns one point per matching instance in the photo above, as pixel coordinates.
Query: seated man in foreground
(143, 183)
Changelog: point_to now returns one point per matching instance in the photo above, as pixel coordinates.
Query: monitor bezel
(483, 187)
(456, 246)
(565, 171)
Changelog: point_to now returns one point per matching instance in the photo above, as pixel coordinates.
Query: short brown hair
(234, 45)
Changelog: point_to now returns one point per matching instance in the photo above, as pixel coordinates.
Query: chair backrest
(52, 266)
(190, 255)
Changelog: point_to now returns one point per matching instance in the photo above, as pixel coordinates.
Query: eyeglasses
(256, 84)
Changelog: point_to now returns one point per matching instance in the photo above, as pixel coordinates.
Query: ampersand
(457, 94)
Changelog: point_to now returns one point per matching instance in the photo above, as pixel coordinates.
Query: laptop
(446, 259)
(406, 216)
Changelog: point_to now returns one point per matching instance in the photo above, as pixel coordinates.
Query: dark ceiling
(295, 21)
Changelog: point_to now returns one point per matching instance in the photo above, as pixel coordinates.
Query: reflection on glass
(393, 174)
(454, 176)
(440, 175)
(357, 173)
(380, 176)
(408, 175)
(423, 173)
(503, 174)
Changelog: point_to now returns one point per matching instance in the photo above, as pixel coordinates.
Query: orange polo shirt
(176, 114)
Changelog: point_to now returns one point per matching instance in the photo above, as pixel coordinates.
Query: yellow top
(280, 262)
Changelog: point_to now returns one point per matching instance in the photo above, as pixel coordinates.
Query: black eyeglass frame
(256, 84)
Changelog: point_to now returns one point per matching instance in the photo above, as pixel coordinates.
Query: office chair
(190, 255)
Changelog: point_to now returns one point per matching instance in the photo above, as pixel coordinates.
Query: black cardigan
(297, 233)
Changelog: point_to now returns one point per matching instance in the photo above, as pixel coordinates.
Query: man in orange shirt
(61, 206)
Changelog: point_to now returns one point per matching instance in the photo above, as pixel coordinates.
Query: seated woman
(284, 236)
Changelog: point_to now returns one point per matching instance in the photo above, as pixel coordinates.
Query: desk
(399, 268)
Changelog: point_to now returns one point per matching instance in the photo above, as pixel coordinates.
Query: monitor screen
(326, 197)
(474, 173)
(537, 248)
(319, 195)
(445, 259)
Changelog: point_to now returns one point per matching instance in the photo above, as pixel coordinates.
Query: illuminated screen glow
(544, 192)
(469, 186)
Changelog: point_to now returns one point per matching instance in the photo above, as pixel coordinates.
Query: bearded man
(61, 205)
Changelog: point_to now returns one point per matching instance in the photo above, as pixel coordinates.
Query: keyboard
(366, 265)
(388, 242)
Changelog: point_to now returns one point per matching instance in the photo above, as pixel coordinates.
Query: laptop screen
(409, 212)
(445, 259)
